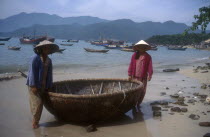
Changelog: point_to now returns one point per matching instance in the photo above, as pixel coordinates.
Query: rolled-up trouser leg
(144, 81)
(36, 105)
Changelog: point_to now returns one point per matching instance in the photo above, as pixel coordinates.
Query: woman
(140, 67)
(40, 78)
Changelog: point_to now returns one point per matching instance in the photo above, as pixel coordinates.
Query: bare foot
(35, 126)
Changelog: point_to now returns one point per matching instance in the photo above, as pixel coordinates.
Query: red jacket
(142, 67)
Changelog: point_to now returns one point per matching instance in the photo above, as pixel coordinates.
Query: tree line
(178, 39)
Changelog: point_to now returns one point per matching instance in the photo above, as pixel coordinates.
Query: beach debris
(204, 113)
(22, 73)
(164, 103)
(208, 99)
(168, 106)
(184, 109)
(156, 108)
(195, 71)
(171, 70)
(180, 92)
(91, 128)
(203, 96)
(193, 87)
(155, 103)
(204, 124)
(174, 95)
(206, 71)
(191, 101)
(181, 103)
(157, 113)
(176, 109)
(206, 135)
(162, 93)
(194, 117)
(196, 94)
(207, 64)
(165, 109)
(181, 99)
(167, 88)
(204, 86)
(202, 100)
(7, 78)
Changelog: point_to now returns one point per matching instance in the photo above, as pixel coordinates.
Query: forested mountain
(23, 20)
(122, 29)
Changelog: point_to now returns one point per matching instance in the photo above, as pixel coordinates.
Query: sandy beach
(15, 118)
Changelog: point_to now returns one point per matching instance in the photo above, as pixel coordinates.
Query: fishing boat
(176, 48)
(154, 48)
(127, 49)
(71, 40)
(112, 47)
(96, 43)
(61, 50)
(14, 48)
(92, 100)
(35, 40)
(94, 50)
(5, 39)
(64, 44)
(2, 44)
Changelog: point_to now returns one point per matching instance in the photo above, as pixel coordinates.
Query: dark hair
(38, 51)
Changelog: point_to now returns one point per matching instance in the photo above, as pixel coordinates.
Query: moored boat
(92, 100)
(127, 49)
(14, 48)
(61, 50)
(35, 40)
(5, 39)
(71, 40)
(64, 44)
(176, 48)
(113, 47)
(94, 50)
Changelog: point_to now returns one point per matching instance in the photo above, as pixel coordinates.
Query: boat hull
(35, 41)
(92, 107)
(5, 39)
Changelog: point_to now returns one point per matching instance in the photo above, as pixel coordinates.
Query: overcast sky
(136, 10)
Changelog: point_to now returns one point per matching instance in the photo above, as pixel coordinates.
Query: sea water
(75, 57)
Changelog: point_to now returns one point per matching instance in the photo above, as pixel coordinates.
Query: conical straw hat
(52, 47)
(142, 45)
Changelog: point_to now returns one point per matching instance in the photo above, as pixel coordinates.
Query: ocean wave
(201, 59)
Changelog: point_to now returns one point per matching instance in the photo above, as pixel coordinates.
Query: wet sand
(15, 118)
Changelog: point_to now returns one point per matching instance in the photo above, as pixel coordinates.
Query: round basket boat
(91, 100)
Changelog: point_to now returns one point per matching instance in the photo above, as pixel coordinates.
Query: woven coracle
(92, 100)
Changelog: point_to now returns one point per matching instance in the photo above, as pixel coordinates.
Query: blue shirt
(35, 73)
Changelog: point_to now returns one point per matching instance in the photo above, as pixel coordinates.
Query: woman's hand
(34, 90)
(130, 78)
(149, 78)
